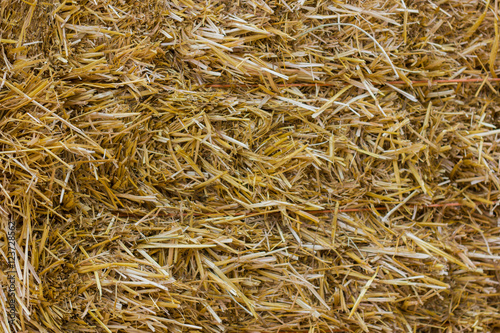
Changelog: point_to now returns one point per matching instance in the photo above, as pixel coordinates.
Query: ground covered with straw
(250, 165)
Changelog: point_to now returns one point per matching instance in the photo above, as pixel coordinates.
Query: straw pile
(251, 165)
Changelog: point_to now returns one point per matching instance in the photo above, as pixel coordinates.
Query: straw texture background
(251, 165)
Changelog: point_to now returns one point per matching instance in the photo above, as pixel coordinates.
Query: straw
(249, 166)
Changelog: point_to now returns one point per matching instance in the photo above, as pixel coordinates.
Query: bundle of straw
(249, 166)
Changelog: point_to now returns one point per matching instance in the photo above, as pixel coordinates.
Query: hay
(250, 166)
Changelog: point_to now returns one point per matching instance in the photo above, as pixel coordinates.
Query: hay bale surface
(250, 165)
